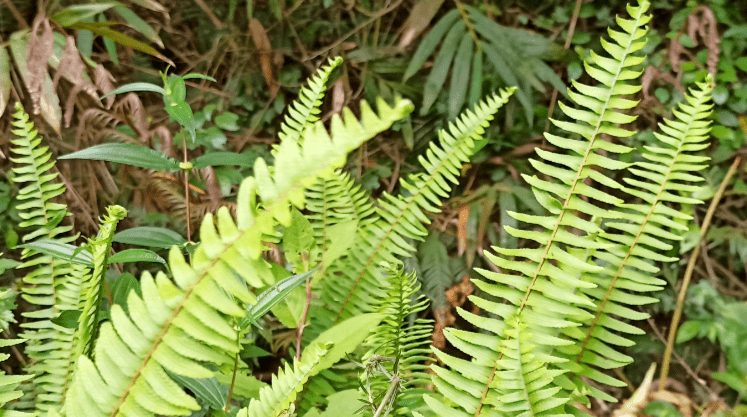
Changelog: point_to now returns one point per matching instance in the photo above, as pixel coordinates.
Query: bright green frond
(9, 383)
(645, 231)
(277, 397)
(540, 284)
(354, 281)
(180, 326)
(303, 112)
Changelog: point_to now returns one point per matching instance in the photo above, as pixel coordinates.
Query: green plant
(558, 322)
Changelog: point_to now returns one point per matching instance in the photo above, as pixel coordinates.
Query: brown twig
(568, 38)
(689, 272)
(302, 323)
(213, 18)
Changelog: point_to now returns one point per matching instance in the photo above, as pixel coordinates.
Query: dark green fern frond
(181, 326)
(303, 112)
(353, 282)
(277, 398)
(51, 284)
(336, 200)
(660, 180)
(543, 289)
(402, 345)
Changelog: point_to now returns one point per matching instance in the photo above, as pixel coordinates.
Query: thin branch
(689, 272)
(390, 392)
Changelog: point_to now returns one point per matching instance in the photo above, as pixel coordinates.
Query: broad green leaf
(155, 237)
(290, 309)
(68, 319)
(430, 43)
(120, 38)
(688, 330)
(298, 239)
(222, 158)
(136, 255)
(121, 288)
(475, 88)
(339, 240)
(246, 386)
(340, 404)
(128, 154)
(4, 79)
(7, 264)
(209, 390)
(136, 87)
(346, 336)
(80, 12)
(59, 250)
(270, 297)
(460, 76)
(139, 25)
(441, 65)
(228, 121)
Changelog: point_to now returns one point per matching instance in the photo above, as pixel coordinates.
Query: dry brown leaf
(683, 403)
(262, 42)
(632, 406)
(456, 296)
(419, 19)
(708, 31)
(38, 52)
(104, 81)
(338, 96)
(72, 68)
(212, 185)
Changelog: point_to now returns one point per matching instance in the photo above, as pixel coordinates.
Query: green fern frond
(277, 397)
(404, 345)
(543, 291)
(354, 281)
(525, 382)
(100, 247)
(9, 383)
(662, 178)
(335, 200)
(303, 112)
(182, 325)
(52, 284)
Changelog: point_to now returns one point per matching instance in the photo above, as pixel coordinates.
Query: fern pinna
(179, 325)
(54, 285)
(542, 297)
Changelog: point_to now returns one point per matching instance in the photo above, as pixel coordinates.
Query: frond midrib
(564, 208)
(638, 235)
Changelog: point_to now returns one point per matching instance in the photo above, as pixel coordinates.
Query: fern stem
(302, 323)
(638, 235)
(689, 272)
(389, 393)
(589, 150)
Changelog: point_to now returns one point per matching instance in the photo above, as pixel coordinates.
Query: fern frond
(52, 284)
(9, 383)
(303, 112)
(354, 281)
(404, 345)
(182, 325)
(662, 178)
(335, 200)
(100, 247)
(277, 397)
(543, 290)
